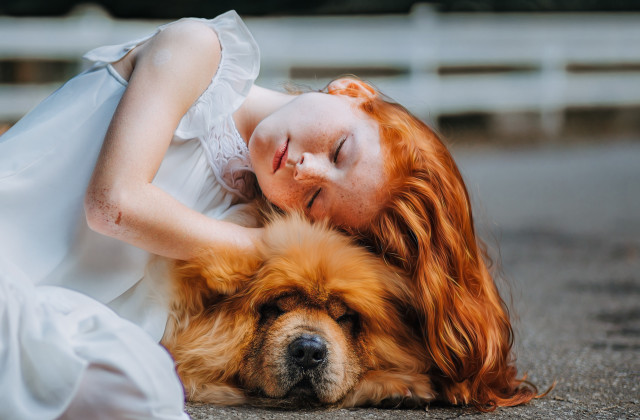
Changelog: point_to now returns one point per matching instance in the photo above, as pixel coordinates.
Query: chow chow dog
(310, 319)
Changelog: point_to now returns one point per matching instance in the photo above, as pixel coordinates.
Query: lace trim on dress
(229, 159)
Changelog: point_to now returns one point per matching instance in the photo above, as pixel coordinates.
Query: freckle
(119, 218)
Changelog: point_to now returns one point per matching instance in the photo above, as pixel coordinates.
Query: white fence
(435, 64)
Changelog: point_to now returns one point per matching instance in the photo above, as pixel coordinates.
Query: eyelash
(335, 156)
(313, 198)
(335, 160)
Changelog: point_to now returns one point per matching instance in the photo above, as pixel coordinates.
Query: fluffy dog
(310, 319)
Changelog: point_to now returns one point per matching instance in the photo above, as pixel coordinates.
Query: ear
(221, 273)
(353, 88)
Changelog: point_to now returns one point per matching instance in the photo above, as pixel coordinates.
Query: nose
(310, 167)
(308, 351)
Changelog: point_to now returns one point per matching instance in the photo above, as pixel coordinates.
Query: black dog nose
(308, 351)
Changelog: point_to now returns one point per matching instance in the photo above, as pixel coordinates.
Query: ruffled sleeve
(239, 66)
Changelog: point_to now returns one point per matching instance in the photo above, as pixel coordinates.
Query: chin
(309, 320)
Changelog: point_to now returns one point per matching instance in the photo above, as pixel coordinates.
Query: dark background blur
(168, 9)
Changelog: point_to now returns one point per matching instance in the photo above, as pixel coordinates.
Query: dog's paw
(390, 390)
(219, 394)
(457, 393)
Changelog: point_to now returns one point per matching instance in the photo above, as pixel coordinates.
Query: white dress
(49, 332)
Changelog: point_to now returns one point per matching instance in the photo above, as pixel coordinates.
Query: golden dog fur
(237, 322)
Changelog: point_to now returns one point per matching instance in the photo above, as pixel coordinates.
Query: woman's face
(321, 154)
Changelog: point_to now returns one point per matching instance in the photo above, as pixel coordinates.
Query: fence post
(553, 84)
(424, 62)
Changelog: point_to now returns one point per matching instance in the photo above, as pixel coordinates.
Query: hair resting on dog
(426, 228)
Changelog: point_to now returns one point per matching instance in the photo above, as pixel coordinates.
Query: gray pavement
(566, 221)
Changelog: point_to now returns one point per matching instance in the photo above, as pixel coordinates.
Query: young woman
(156, 150)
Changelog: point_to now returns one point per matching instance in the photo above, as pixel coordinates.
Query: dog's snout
(308, 351)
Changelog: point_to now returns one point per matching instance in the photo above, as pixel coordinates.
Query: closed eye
(348, 317)
(269, 311)
(335, 160)
(337, 152)
(313, 198)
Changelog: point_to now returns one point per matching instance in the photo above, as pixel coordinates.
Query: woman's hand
(170, 72)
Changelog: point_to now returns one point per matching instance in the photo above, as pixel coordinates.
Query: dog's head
(322, 310)
(306, 319)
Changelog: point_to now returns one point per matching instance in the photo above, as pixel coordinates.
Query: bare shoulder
(189, 39)
(179, 61)
(190, 33)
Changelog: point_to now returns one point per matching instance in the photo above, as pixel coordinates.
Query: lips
(280, 158)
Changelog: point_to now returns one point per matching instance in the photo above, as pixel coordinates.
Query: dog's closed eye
(269, 311)
(341, 313)
(348, 319)
(348, 316)
(281, 305)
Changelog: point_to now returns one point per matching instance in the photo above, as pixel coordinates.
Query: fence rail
(435, 64)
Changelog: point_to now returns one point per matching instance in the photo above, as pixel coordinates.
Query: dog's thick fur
(237, 322)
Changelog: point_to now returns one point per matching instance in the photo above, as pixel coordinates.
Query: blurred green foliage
(166, 9)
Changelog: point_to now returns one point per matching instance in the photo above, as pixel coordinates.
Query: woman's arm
(170, 72)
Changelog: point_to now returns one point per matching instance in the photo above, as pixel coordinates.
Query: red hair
(426, 229)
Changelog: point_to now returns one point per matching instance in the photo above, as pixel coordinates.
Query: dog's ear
(221, 273)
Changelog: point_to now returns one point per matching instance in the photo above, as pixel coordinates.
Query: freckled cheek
(285, 196)
(351, 208)
(293, 200)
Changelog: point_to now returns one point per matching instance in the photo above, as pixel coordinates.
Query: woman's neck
(260, 103)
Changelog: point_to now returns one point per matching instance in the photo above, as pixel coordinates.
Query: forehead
(317, 106)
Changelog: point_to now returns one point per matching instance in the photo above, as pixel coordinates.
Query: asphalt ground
(564, 222)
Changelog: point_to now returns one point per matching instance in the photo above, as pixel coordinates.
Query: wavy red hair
(426, 229)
